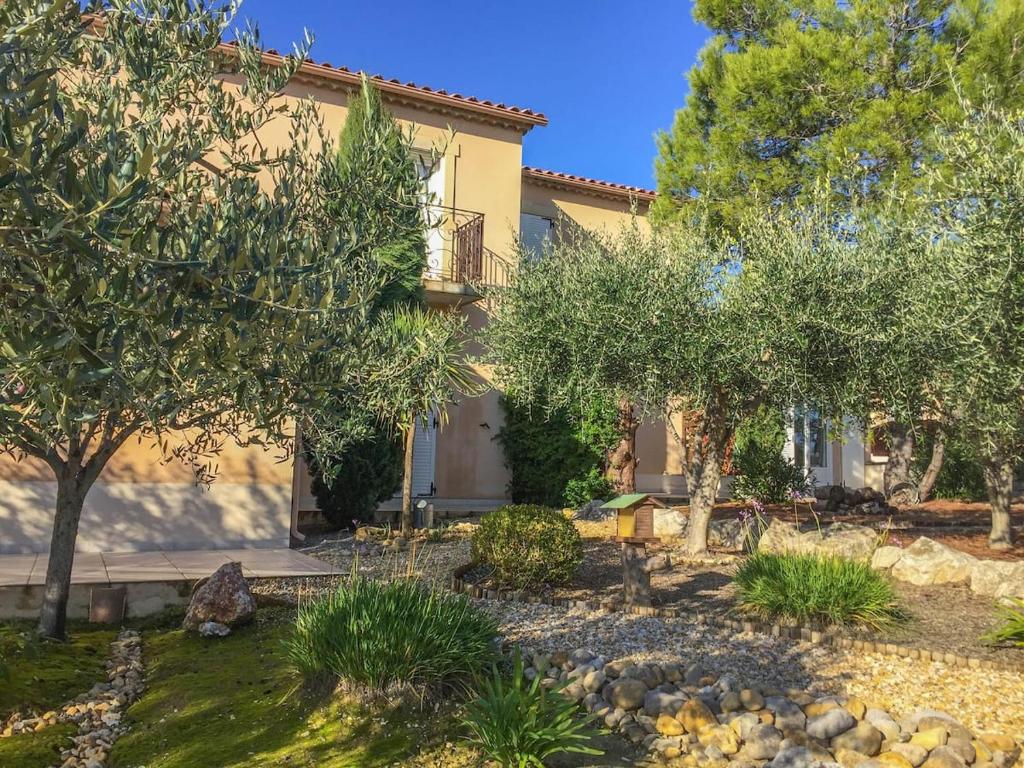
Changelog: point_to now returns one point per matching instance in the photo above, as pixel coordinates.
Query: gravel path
(982, 699)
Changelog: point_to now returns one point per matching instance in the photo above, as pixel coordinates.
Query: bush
(1011, 629)
(812, 588)
(528, 545)
(387, 637)
(367, 473)
(761, 471)
(767, 476)
(520, 724)
(545, 452)
(581, 490)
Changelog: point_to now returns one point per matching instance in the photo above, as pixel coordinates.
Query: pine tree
(790, 91)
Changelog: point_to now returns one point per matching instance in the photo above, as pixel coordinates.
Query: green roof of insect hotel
(625, 501)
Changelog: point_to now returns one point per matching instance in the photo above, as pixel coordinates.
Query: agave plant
(519, 723)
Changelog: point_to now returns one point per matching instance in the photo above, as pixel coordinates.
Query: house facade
(486, 200)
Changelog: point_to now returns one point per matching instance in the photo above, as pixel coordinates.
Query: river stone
(213, 629)
(793, 757)
(788, 716)
(730, 702)
(694, 715)
(943, 757)
(997, 578)
(659, 703)
(830, 724)
(863, 738)
(928, 562)
(884, 722)
(962, 747)
(626, 693)
(720, 736)
(850, 758)
(594, 681)
(930, 739)
(223, 598)
(751, 700)
(762, 742)
(913, 753)
(888, 760)
(669, 726)
(953, 728)
(744, 723)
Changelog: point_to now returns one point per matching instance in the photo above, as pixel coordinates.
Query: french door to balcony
(432, 180)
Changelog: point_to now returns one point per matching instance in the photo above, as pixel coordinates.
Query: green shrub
(521, 724)
(528, 545)
(545, 452)
(761, 471)
(368, 472)
(1011, 629)
(594, 485)
(813, 588)
(386, 637)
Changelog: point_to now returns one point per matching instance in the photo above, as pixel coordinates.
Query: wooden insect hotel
(634, 529)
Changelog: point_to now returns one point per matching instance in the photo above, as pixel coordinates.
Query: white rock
(928, 562)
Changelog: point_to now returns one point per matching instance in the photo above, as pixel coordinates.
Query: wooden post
(636, 577)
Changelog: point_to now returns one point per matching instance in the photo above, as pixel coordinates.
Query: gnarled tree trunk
(999, 482)
(931, 474)
(901, 453)
(622, 460)
(705, 473)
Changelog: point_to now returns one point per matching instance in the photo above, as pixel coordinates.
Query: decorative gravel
(982, 699)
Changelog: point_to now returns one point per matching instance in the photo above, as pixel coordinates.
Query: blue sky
(607, 74)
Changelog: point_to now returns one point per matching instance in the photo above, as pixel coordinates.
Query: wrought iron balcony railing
(456, 251)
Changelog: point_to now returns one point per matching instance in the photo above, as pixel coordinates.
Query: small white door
(432, 179)
(424, 451)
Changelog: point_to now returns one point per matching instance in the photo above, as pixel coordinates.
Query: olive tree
(675, 321)
(163, 273)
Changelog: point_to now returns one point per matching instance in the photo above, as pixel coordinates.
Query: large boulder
(926, 561)
(998, 578)
(669, 523)
(840, 539)
(223, 598)
(731, 534)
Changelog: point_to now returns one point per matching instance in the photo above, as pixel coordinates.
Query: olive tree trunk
(410, 442)
(931, 474)
(999, 482)
(704, 474)
(901, 455)
(622, 459)
(71, 492)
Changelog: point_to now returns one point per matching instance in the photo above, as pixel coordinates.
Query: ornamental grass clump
(1011, 628)
(393, 638)
(816, 589)
(519, 723)
(528, 545)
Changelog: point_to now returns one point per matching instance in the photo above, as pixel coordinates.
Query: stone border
(811, 634)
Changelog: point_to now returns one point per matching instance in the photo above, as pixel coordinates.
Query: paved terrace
(102, 568)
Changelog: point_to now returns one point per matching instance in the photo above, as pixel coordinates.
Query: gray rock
(863, 738)
(661, 703)
(626, 693)
(762, 742)
(223, 598)
(962, 747)
(830, 724)
(592, 511)
(214, 629)
(793, 757)
(787, 714)
(594, 681)
(997, 578)
(944, 757)
(669, 523)
(914, 753)
(886, 557)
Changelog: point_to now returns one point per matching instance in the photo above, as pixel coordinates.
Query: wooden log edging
(810, 634)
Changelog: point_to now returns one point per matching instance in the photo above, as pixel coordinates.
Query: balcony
(459, 267)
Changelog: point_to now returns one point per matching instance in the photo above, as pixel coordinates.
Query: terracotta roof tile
(519, 115)
(592, 185)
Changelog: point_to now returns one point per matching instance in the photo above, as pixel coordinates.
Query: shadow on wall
(122, 517)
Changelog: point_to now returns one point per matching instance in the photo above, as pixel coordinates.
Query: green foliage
(528, 545)
(368, 472)
(388, 637)
(765, 427)
(546, 452)
(594, 485)
(373, 183)
(520, 724)
(1011, 629)
(766, 475)
(816, 589)
(961, 476)
(787, 92)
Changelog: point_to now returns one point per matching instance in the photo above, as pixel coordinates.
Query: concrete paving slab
(15, 570)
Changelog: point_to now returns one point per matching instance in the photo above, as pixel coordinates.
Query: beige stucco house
(487, 200)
